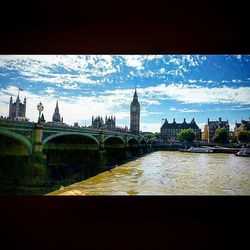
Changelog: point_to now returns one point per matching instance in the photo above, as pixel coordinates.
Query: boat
(197, 150)
(243, 152)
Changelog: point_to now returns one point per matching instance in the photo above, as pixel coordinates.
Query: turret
(174, 120)
(184, 121)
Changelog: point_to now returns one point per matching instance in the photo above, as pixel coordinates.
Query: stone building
(107, 124)
(169, 131)
(212, 126)
(135, 115)
(243, 125)
(98, 122)
(17, 110)
(56, 118)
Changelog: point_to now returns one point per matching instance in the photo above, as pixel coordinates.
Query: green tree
(221, 135)
(186, 135)
(244, 136)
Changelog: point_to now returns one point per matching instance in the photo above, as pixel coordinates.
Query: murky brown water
(171, 173)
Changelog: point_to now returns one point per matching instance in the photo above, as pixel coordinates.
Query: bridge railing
(4, 122)
(10, 122)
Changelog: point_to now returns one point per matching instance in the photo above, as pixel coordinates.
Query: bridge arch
(133, 141)
(69, 133)
(119, 138)
(20, 138)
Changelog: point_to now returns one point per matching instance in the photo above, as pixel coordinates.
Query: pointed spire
(135, 94)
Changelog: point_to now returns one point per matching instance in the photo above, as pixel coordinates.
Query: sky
(168, 86)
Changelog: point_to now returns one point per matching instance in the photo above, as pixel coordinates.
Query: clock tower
(135, 115)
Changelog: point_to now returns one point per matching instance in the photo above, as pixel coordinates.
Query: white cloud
(236, 81)
(76, 69)
(198, 94)
(172, 109)
(138, 61)
(150, 127)
(186, 110)
(192, 81)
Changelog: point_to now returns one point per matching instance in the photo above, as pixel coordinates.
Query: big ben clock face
(134, 109)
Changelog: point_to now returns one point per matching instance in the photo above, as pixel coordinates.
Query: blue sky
(168, 86)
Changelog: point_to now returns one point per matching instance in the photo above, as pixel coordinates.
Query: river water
(170, 173)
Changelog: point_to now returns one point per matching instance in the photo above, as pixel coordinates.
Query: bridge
(53, 145)
(30, 137)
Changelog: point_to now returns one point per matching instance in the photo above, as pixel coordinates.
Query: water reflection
(170, 173)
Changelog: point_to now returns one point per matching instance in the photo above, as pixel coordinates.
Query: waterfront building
(135, 115)
(212, 126)
(169, 131)
(243, 125)
(17, 110)
(205, 134)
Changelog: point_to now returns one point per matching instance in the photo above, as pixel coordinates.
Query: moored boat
(197, 150)
(244, 152)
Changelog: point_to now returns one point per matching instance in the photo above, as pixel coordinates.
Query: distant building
(243, 125)
(135, 115)
(169, 131)
(56, 118)
(205, 134)
(42, 119)
(107, 124)
(211, 127)
(17, 110)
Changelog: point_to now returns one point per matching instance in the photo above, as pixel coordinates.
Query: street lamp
(40, 109)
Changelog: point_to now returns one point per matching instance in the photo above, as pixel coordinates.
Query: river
(170, 173)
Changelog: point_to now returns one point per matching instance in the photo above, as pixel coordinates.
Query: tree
(154, 136)
(221, 135)
(186, 135)
(244, 136)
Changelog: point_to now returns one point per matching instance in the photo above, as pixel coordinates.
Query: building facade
(205, 134)
(243, 125)
(56, 118)
(169, 131)
(135, 115)
(17, 110)
(211, 127)
(107, 124)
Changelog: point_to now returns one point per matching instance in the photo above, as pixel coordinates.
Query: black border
(112, 27)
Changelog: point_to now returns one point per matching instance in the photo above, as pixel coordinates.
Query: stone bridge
(27, 138)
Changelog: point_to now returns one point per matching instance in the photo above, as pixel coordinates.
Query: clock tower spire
(135, 115)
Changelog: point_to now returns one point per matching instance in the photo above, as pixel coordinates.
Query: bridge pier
(103, 159)
(37, 140)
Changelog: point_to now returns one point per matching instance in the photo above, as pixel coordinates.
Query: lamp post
(40, 109)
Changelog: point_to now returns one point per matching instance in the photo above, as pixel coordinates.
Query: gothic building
(56, 118)
(17, 110)
(243, 125)
(169, 130)
(135, 115)
(99, 123)
(107, 124)
(210, 129)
